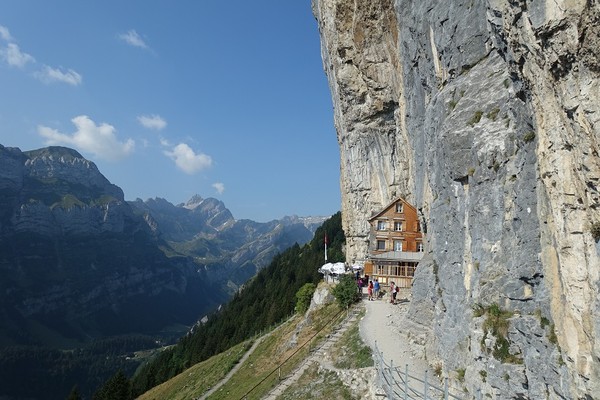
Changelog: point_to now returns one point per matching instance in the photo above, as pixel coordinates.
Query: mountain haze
(79, 264)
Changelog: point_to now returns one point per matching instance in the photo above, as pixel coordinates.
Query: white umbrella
(338, 268)
(326, 268)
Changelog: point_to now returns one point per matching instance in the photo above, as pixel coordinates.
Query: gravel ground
(382, 324)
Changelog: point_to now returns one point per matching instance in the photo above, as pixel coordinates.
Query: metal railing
(398, 383)
(277, 371)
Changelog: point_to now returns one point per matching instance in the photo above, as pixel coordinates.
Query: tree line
(267, 299)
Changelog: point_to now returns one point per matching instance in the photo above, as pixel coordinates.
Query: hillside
(265, 300)
(80, 267)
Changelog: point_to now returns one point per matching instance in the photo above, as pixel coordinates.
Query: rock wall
(485, 115)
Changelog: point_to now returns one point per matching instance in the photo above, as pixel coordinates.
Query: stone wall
(485, 116)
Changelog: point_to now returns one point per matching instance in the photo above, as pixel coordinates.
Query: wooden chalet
(395, 244)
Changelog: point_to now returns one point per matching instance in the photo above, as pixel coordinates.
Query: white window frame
(379, 241)
(399, 207)
(381, 225)
(420, 247)
(398, 224)
(397, 245)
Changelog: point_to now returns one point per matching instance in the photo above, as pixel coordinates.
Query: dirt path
(234, 369)
(382, 325)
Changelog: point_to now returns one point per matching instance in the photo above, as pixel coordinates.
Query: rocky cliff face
(486, 116)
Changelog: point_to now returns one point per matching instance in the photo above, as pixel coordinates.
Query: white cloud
(14, 56)
(155, 122)
(99, 140)
(50, 75)
(187, 160)
(132, 38)
(219, 187)
(5, 34)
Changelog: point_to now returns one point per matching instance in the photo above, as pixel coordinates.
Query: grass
(460, 374)
(350, 352)
(318, 383)
(198, 379)
(496, 324)
(475, 118)
(493, 114)
(69, 201)
(267, 361)
(261, 370)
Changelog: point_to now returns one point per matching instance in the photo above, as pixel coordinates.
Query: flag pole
(325, 248)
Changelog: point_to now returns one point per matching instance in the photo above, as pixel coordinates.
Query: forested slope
(265, 300)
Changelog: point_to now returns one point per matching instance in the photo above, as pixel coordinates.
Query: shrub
(496, 323)
(346, 291)
(493, 114)
(304, 296)
(529, 136)
(460, 374)
(483, 374)
(475, 118)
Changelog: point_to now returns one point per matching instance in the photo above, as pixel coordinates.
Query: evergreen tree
(116, 388)
(74, 395)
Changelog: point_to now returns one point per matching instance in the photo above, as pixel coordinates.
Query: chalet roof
(390, 205)
(399, 256)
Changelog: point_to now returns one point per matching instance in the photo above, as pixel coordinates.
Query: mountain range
(78, 262)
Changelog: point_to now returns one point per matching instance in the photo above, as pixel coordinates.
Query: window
(398, 226)
(381, 245)
(399, 207)
(397, 245)
(381, 226)
(420, 247)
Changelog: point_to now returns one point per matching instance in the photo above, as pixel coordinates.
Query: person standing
(359, 282)
(376, 289)
(370, 290)
(392, 293)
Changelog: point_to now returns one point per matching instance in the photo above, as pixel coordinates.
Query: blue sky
(176, 98)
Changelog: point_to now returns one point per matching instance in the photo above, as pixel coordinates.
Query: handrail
(292, 355)
(395, 383)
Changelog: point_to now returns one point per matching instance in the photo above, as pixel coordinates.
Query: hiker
(370, 290)
(359, 282)
(392, 293)
(376, 288)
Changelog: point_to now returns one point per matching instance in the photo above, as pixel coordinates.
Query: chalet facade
(395, 244)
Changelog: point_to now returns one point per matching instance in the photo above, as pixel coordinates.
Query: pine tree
(74, 395)
(116, 388)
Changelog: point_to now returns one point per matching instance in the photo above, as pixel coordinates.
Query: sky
(175, 98)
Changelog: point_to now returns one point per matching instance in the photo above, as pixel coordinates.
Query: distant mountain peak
(194, 202)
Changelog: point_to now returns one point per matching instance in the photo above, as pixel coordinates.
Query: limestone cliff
(486, 116)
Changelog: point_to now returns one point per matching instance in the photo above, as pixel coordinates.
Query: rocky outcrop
(486, 116)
